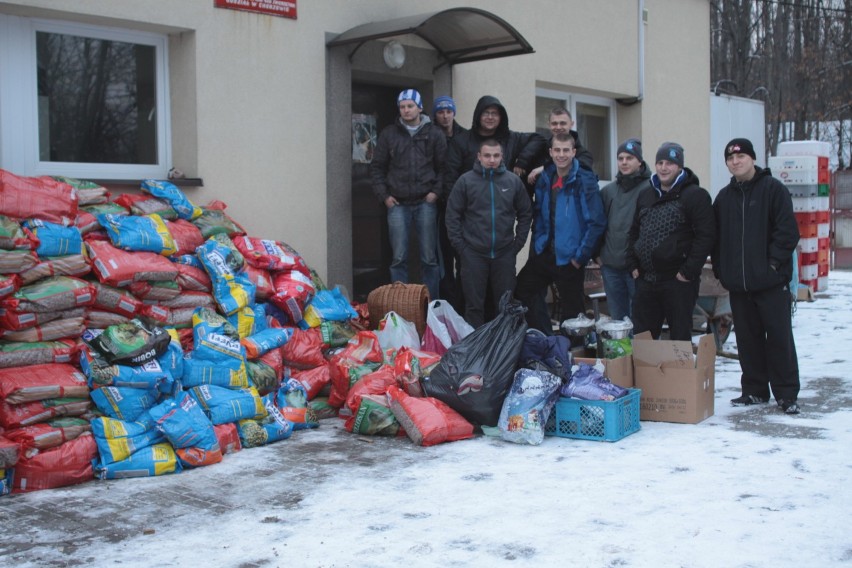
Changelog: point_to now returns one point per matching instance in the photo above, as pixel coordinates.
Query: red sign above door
(283, 8)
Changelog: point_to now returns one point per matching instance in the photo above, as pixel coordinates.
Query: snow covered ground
(749, 487)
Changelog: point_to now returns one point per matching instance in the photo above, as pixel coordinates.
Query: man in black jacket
(488, 219)
(407, 175)
(753, 258)
(444, 115)
(672, 235)
(490, 120)
(561, 122)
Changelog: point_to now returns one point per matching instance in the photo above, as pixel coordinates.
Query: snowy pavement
(748, 487)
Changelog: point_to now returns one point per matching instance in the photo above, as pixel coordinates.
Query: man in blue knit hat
(444, 115)
(407, 176)
(671, 237)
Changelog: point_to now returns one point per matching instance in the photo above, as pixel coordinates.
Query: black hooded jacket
(672, 231)
(519, 148)
(757, 234)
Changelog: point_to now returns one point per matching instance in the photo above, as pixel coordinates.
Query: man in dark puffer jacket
(753, 258)
(672, 235)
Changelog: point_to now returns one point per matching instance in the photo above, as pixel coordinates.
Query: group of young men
(475, 194)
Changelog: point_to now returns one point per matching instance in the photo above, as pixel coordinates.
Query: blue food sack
(199, 372)
(151, 461)
(273, 428)
(124, 403)
(117, 440)
(232, 288)
(262, 342)
(54, 239)
(528, 405)
(329, 305)
(147, 233)
(168, 191)
(150, 375)
(188, 430)
(224, 405)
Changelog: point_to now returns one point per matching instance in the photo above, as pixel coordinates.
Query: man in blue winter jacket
(568, 223)
(488, 220)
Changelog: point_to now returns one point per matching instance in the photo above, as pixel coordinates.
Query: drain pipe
(642, 21)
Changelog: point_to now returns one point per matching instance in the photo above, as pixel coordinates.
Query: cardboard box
(677, 385)
(619, 370)
(804, 294)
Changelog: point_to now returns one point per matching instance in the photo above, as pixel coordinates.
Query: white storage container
(822, 284)
(823, 230)
(804, 148)
(808, 271)
(809, 245)
(806, 204)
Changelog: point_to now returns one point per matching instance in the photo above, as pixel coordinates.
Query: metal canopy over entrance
(459, 35)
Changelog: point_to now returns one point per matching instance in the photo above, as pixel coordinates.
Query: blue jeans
(425, 219)
(620, 288)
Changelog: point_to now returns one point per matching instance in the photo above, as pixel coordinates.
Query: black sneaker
(748, 400)
(788, 406)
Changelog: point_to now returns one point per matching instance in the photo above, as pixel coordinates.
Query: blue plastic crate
(605, 421)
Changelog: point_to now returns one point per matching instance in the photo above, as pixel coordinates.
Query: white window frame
(571, 100)
(19, 124)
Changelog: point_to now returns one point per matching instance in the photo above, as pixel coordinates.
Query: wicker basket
(408, 300)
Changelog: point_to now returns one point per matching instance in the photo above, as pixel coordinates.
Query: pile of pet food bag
(142, 335)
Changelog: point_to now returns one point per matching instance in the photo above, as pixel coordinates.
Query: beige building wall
(249, 101)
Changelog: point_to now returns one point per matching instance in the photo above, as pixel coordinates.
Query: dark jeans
(538, 273)
(670, 300)
(764, 330)
(476, 272)
(620, 288)
(424, 218)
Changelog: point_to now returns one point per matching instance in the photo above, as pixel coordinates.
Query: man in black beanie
(619, 200)
(672, 235)
(753, 258)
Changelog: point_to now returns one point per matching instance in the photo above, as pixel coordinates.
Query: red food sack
(118, 268)
(427, 421)
(194, 278)
(314, 380)
(293, 291)
(304, 350)
(40, 382)
(229, 437)
(186, 236)
(68, 464)
(262, 281)
(39, 197)
(376, 382)
(271, 255)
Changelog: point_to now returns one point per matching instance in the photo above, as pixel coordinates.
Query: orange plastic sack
(428, 421)
(39, 197)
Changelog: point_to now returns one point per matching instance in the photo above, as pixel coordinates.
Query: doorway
(373, 109)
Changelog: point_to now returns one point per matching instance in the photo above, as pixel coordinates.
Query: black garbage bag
(475, 374)
(551, 353)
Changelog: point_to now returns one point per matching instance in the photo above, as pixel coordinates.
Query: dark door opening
(373, 108)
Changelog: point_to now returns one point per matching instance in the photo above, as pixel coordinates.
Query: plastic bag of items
(169, 192)
(135, 233)
(528, 405)
(588, 383)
